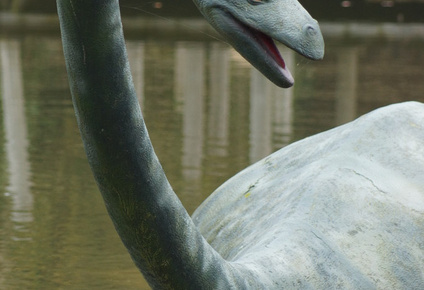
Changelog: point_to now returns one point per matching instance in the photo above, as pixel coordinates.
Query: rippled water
(209, 115)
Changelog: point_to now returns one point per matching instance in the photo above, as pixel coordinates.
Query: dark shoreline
(323, 10)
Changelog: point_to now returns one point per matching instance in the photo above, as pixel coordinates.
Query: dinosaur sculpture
(343, 209)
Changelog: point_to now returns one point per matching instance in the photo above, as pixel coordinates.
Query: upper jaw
(254, 40)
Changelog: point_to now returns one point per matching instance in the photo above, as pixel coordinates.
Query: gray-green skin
(250, 25)
(343, 209)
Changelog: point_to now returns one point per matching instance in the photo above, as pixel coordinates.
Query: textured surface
(252, 26)
(344, 208)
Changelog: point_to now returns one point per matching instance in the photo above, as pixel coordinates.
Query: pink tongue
(273, 49)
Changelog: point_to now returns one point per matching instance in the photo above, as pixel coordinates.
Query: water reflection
(15, 127)
(218, 110)
(270, 112)
(347, 82)
(135, 50)
(209, 115)
(189, 95)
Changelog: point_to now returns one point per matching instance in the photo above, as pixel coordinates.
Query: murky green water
(209, 115)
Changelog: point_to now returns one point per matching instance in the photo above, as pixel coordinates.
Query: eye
(256, 2)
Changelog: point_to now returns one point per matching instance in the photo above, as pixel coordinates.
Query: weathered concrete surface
(342, 209)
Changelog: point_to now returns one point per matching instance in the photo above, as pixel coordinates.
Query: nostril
(310, 29)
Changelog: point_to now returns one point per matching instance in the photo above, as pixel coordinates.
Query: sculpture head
(251, 26)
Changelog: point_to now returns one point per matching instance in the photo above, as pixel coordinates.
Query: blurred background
(329, 10)
(209, 114)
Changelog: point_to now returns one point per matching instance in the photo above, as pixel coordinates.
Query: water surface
(209, 115)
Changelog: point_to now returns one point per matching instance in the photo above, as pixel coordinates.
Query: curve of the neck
(150, 219)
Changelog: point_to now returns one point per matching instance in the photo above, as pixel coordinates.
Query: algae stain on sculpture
(252, 26)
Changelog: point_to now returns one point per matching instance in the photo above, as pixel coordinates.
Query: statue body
(344, 208)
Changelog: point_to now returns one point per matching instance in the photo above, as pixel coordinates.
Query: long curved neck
(150, 219)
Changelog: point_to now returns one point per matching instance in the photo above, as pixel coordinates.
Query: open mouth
(255, 46)
(269, 46)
